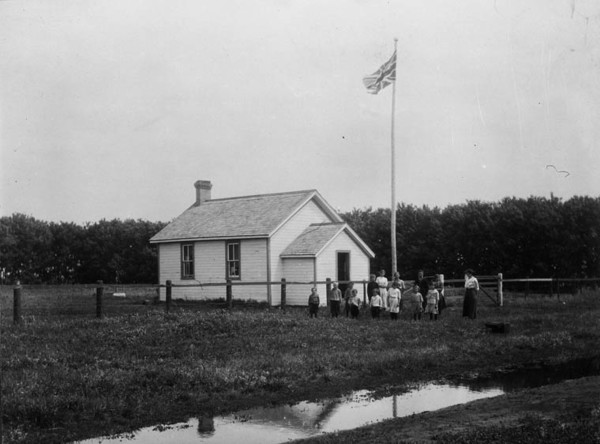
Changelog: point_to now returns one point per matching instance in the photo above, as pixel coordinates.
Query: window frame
(229, 261)
(188, 261)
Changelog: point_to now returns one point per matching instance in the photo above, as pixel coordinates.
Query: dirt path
(547, 401)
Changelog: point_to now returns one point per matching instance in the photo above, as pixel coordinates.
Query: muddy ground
(550, 401)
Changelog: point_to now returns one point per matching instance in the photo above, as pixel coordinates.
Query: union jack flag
(381, 78)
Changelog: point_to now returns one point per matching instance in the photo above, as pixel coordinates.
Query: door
(343, 269)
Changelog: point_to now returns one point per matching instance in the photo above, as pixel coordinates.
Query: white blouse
(471, 282)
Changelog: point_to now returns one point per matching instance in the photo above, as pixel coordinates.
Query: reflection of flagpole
(393, 222)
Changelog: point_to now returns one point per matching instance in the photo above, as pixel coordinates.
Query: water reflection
(305, 419)
(206, 426)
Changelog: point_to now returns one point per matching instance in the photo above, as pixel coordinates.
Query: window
(187, 261)
(233, 260)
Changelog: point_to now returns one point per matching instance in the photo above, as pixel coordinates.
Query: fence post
(558, 289)
(365, 293)
(283, 293)
(17, 303)
(551, 287)
(99, 293)
(327, 290)
(168, 296)
(229, 295)
(500, 289)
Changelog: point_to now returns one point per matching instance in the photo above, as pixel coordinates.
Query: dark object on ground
(498, 327)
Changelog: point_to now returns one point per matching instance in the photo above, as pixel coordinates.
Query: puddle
(305, 419)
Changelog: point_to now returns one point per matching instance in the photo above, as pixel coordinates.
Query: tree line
(34, 251)
(533, 237)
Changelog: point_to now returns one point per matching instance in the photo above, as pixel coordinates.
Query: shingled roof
(248, 216)
(316, 237)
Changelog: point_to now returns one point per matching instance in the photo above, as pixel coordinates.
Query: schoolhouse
(263, 238)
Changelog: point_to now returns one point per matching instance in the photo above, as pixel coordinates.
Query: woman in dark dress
(470, 301)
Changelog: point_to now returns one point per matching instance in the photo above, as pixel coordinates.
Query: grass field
(72, 377)
(76, 300)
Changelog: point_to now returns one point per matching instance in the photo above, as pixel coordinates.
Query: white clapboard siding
(209, 267)
(170, 269)
(299, 270)
(253, 268)
(307, 215)
(169, 264)
(327, 261)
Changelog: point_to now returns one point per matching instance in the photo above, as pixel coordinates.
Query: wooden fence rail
(492, 286)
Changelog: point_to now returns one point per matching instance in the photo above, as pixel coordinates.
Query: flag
(382, 77)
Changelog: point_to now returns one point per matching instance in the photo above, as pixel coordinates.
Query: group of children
(383, 296)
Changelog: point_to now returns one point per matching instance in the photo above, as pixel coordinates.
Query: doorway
(343, 269)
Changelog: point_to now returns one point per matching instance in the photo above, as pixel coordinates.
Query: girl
(416, 302)
(433, 298)
(393, 300)
(348, 298)
(383, 284)
(355, 304)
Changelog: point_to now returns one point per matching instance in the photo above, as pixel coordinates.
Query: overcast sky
(113, 109)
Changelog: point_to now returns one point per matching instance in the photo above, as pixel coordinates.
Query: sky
(112, 109)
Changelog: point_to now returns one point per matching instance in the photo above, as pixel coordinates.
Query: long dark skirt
(470, 303)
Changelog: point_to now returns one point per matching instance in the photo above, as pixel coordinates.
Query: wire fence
(100, 300)
(76, 300)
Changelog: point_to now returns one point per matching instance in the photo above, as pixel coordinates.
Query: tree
(25, 249)
(536, 236)
(34, 251)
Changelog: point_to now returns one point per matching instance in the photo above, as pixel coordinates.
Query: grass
(582, 426)
(76, 300)
(74, 377)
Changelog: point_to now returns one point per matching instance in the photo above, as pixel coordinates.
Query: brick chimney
(203, 188)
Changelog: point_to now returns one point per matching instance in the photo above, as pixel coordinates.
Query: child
(376, 303)
(355, 304)
(433, 297)
(442, 302)
(416, 301)
(348, 298)
(335, 299)
(313, 303)
(383, 284)
(393, 298)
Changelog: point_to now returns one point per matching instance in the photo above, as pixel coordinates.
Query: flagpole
(393, 222)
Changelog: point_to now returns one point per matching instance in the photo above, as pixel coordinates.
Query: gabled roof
(316, 237)
(240, 217)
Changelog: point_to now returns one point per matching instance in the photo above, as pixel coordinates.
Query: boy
(313, 303)
(376, 303)
(335, 299)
